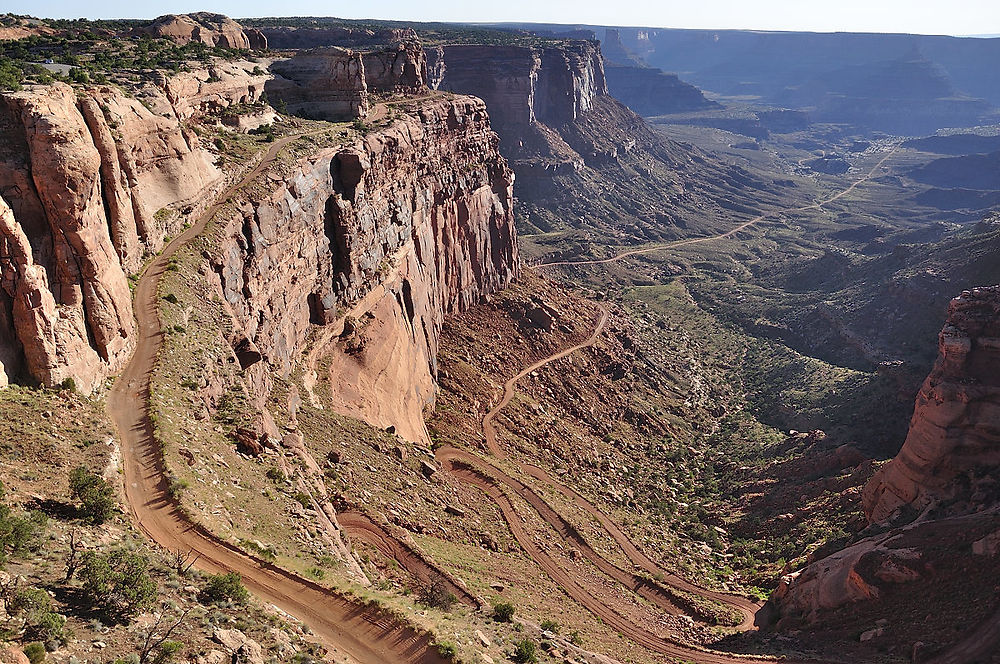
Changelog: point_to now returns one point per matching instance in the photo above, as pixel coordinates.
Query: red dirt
(361, 527)
(362, 633)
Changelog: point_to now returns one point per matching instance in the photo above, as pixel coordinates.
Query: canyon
(389, 314)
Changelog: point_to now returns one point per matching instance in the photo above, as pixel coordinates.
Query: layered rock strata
(335, 83)
(378, 240)
(90, 184)
(935, 505)
(955, 428)
(523, 87)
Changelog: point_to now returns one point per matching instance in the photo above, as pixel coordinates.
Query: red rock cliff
(335, 83)
(523, 86)
(955, 429)
(88, 183)
(379, 240)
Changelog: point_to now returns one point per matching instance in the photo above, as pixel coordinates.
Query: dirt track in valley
(742, 227)
(350, 629)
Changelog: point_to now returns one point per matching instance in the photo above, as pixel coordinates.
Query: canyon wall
(524, 87)
(378, 240)
(335, 83)
(935, 505)
(954, 437)
(91, 184)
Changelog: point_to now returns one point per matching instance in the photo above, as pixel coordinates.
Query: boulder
(242, 649)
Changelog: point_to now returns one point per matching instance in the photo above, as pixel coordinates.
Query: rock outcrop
(379, 239)
(206, 28)
(934, 507)
(89, 183)
(523, 86)
(954, 436)
(324, 83)
(334, 83)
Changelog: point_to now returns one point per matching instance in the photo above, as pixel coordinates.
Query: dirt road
(742, 227)
(350, 629)
(362, 527)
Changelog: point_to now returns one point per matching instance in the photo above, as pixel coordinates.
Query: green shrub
(436, 594)
(503, 612)
(167, 651)
(223, 589)
(549, 625)
(525, 652)
(118, 583)
(171, 298)
(95, 494)
(41, 622)
(19, 533)
(447, 650)
(35, 652)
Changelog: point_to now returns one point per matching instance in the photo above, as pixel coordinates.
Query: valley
(450, 355)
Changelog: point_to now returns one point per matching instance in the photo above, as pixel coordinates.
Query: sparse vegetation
(436, 594)
(95, 494)
(19, 533)
(224, 589)
(525, 652)
(503, 612)
(118, 583)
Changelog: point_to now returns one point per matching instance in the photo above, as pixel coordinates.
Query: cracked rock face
(83, 177)
(954, 435)
(396, 231)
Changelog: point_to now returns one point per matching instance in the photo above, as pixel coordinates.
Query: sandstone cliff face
(207, 28)
(950, 457)
(954, 436)
(523, 86)
(326, 84)
(395, 231)
(335, 83)
(82, 178)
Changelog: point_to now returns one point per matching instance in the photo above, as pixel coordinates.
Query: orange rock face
(83, 177)
(955, 429)
(396, 230)
(335, 83)
(207, 28)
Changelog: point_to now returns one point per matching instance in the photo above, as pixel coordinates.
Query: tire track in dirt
(362, 527)
(472, 470)
(351, 629)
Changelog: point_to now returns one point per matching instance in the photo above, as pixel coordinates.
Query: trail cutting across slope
(362, 527)
(364, 634)
(490, 479)
(742, 227)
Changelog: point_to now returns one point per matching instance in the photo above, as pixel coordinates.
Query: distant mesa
(207, 28)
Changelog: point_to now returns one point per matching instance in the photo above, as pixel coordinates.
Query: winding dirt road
(745, 225)
(478, 472)
(362, 527)
(351, 629)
